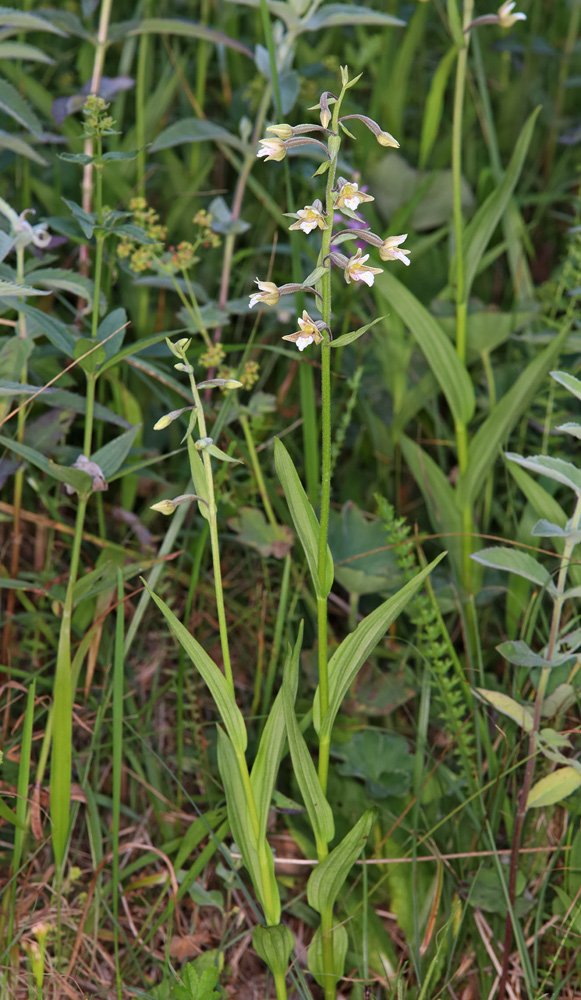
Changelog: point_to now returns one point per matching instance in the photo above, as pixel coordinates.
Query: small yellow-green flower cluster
(142, 256)
(212, 357)
(183, 256)
(97, 123)
(209, 238)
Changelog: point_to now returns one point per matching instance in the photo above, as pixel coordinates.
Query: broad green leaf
(481, 227)
(79, 480)
(196, 130)
(273, 739)
(11, 103)
(199, 476)
(570, 428)
(112, 455)
(519, 652)
(348, 659)
(274, 946)
(315, 960)
(89, 354)
(348, 338)
(554, 468)
(434, 106)
(341, 14)
(328, 878)
(173, 26)
(56, 332)
(490, 435)
(554, 788)
(57, 279)
(451, 374)
(317, 806)
(516, 561)
(10, 18)
(16, 144)
(439, 496)
(520, 714)
(111, 331)
(561, 700)
(546, 529)
(569, 382)
(214, 678)
(303, 515)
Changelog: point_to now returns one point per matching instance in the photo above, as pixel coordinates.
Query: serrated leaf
(554, 788)
(11, 288)
(213, 677)
(14, 105)
(520, 714)
(328, 878)
(516, 561)
(348, 338)
(303, 516)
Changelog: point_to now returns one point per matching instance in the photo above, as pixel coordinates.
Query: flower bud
(164, 507)
(282, 131)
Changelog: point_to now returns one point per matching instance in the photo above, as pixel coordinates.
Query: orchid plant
(249, 789)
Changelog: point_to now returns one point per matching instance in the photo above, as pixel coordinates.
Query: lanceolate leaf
(173, 26)
(348, 13)
(488, 439)
(554, 468)
(11, 103)
(348, 338)
(434, 106)
(451, 374)
(481, 227)
(327, 879)
(555, 787)
(196, 130)
(112, 455)
(303, 515)
(439, 496)
(508, 706)
(212, 675)
(79, 480)
(348, 659)
(516, 561)
(569, 382)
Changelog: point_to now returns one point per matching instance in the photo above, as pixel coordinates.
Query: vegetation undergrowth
(355, 773)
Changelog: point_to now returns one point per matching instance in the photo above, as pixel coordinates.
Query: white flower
(357, 270)
(274, 149)
(389, 249)
(350, 196)
(310, 217)
(309, 333)
(506, 18)
(268, 293)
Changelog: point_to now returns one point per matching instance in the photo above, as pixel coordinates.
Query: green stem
(214, 542)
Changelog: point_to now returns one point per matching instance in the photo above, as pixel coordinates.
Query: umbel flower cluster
(342, 196)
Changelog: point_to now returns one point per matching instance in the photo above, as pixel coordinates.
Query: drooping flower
(390, 249)
(357, 270)
(268, 293)
(350, 196)
(506, 18)
(309, 333)
(310, 217)
(274, 149)
(383, 138)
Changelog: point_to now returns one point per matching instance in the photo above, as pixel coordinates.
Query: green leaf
(519, 652)
(111, 456)
(516, 561)
(199, 476)
(79, 480)
(443, 360)
(115, 323)
(214, 678)
(348, 338)
(196, 130)
(569, 382)
(55, 332)
(554, 788)
(303, 515)
(347, 660)
(490, 435)
(570, 428)
(22, 148)
(253, 530)
(14, 105)
(213, 449)
(434, 106)
(21, 50)
(9, 288)
(520, 714)
(89, 354)
(274, 946)
(554, 468)
(173, 26)
(481, 227)
(328, 878)
(273, 739)
(81, 158)
(317, 806)
(341, 14)
(315, 960)
(57, 279)
(10, 18)
(85, 220)
(455, 23)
